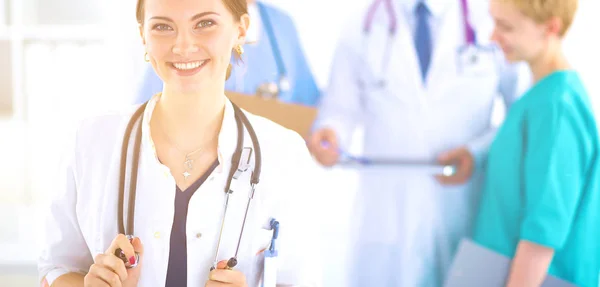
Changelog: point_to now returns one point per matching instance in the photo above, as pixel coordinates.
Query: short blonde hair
(542, 10)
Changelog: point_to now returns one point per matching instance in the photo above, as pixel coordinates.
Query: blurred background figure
(423, 78)
(273, 64)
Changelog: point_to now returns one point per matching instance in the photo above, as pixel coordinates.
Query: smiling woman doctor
(184, 170)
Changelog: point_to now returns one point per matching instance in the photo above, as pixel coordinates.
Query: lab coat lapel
(449, 36)
(406, 58)
(392, 59)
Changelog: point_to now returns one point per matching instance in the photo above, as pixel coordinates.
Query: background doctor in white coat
(431, 103)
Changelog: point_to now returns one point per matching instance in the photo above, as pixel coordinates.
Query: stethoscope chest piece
(471, 55)
(473, 59)
(268, 90)
(271, 90)
(284, 84)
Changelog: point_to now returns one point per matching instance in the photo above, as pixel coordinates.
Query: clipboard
(351, 161)
(298, 118)
(475, 266)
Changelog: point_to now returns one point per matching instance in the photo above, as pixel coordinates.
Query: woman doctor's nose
(185, 45)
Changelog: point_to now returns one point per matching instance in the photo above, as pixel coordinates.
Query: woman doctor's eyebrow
(194, 18)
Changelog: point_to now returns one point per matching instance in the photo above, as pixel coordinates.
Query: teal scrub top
(543, 181)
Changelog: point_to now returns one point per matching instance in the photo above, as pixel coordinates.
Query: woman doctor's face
(520, 38)
(189, 42)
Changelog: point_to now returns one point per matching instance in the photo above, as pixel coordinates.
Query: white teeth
(188, 66)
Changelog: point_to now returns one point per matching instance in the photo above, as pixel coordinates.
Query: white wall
(582, 46)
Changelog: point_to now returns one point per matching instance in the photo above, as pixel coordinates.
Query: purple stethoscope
(471, 40)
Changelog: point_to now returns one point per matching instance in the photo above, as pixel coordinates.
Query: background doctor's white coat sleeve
(300, 256)
(64, 249)
(513, 82)
(340, 105)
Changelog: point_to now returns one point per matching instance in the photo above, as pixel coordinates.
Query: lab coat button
(198, 235)
(157, 234)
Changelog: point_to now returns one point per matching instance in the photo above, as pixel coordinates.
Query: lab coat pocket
(373, 84)
(261, 242)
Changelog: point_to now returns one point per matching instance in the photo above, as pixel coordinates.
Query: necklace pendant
(186, 175)
(189, 163)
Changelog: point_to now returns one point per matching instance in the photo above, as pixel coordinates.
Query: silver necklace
(189, 162)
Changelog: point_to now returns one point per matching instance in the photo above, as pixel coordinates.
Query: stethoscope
(471, 40)
(237, 167)
(273, 89)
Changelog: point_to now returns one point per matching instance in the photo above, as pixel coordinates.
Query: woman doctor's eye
(162, 27)
(205, 24)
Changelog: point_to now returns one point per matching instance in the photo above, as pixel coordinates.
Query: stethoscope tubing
(241, 122)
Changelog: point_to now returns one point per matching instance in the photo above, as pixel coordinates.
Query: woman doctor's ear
(141, 29)
(244, 23)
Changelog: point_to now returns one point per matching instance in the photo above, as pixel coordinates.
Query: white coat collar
(227, 140)
(437, 7)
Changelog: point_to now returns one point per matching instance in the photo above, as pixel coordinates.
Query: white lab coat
(407, 224)
(83, 216)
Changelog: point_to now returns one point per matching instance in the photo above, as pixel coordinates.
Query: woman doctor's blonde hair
(543, 10)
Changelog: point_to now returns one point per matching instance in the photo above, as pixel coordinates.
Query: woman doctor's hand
(223, 277)
(463, 162)
(323, 144)
(109, 270)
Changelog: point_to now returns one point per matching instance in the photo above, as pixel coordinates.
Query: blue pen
(272, 250)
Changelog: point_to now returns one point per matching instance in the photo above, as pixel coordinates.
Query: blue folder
(476, 266)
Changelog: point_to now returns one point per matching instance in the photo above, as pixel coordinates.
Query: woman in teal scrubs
(541, 202)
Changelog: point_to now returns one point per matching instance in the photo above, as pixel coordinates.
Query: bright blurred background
(63, 59)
